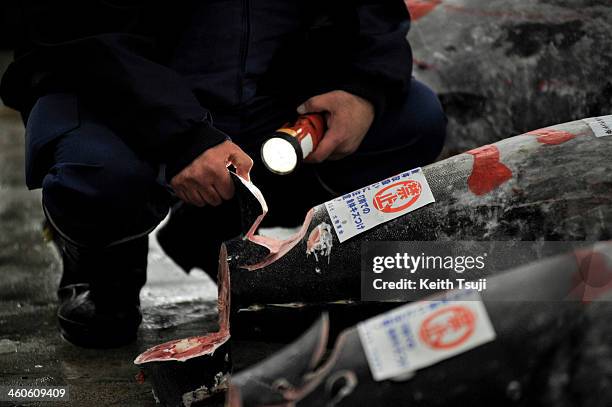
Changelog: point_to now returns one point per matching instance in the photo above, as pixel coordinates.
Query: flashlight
(289, 146)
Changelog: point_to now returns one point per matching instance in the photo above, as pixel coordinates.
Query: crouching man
(136, 107)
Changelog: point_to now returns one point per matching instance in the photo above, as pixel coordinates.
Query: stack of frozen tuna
(538, 335)
(505, 67)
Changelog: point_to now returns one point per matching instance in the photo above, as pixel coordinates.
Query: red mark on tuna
(487, 172)
(420, 8)
(594, 276)
(448, 327)
(552, 136)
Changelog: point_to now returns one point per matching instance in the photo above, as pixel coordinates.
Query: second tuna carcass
(539, 335)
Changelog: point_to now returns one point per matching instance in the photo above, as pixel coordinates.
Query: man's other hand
(349, 118)
(207, 181)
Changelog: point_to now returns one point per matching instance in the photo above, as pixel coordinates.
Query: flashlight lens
(279, 155)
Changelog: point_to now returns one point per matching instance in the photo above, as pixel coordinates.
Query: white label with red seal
(421, 334)
(601, 126)
(361, 210)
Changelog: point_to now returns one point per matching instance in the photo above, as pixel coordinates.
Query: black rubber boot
(99, 292)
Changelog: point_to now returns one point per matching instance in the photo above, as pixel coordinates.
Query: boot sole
(86, 337)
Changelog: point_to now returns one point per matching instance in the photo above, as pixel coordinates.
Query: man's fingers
(194, 197)
(211, 196)
(180, 194)
(337, 156)
(201, 201)
(242, 162)
(207, 180)
(225, 186)
(313, 105)
(343, 150)
(325, 148)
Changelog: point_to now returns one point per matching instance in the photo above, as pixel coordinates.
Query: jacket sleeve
(100, 52)
(381, 58)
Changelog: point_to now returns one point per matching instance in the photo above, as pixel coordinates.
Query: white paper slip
(601, 126)
(378, 203)
(421, 334)
(255, 191)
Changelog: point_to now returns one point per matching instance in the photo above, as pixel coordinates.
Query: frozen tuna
(186, 371)
(505, 67)
(543, 338)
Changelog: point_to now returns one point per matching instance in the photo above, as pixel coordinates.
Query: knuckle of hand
(192, 171)
(208, 164)
(342, 95)
(206, 174)
(346, 150)
(221, 173)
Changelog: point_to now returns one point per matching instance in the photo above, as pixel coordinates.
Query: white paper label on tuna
(601, 126)
(421, 334)
(378, 203)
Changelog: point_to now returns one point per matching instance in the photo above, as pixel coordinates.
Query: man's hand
(349, 118)
(207, 181)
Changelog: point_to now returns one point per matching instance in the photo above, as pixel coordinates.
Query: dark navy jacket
(161, 70)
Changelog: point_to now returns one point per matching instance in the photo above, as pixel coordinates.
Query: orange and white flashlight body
(292, 144)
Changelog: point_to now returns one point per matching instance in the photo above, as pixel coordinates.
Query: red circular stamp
(448, 327)
(398, 196)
